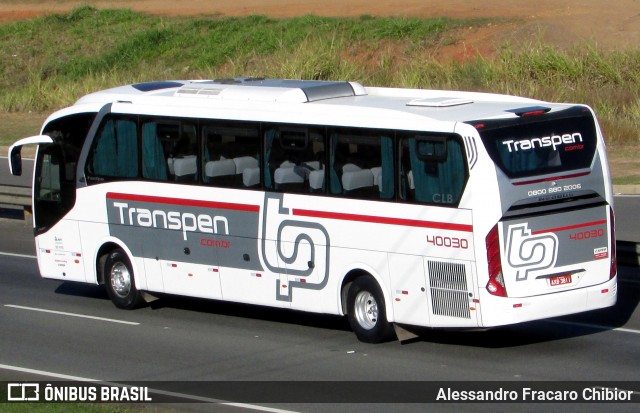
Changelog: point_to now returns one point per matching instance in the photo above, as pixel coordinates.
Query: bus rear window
(546, 144)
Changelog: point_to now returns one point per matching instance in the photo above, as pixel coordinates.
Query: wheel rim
(366, 310)
(120, 279)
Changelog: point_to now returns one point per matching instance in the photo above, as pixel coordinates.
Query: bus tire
(120, 282)
(366, 311)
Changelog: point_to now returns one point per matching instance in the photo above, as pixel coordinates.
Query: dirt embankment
(609, 25)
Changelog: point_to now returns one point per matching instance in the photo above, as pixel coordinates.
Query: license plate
(560, 280)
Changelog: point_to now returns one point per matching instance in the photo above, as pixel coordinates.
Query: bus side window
(432, 169)
(115, 153)
(361, 164)
(231, 155)
(294, 159)
(180, 148)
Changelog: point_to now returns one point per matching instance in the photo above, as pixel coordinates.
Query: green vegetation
(49, 62)
(71, 408)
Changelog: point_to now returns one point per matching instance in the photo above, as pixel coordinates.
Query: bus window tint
(432, 169)
(294, 159)
(231, 155)
(361, 164)
(115, 153)
(154, 163)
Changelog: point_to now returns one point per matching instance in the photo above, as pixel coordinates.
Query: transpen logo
(552, 141)
(179, 221)
(526, 252)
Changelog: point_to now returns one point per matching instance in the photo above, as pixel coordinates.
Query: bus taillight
(614, 259)
(495, 285)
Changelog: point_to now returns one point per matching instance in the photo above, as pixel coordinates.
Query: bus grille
(449, 290)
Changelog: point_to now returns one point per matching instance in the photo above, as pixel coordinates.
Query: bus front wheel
(119, 281)
(366, 311)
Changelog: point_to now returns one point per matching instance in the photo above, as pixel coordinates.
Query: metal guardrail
(15, 195)
(15, 201)
(23, 180)
(15, 191)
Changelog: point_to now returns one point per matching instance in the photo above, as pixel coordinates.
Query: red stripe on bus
(553, 178)
(383, 220)
(568, 227)
(183, 202)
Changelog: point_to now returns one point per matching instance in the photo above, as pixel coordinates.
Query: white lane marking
(9, 254)
(44, 373)
(595, 326)
(43, 310)
(151, 390)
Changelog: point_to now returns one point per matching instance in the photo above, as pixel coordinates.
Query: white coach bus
(395, 207)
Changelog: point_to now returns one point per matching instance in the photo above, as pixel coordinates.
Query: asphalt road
(181, 340)
(23, 180)
(627, 223)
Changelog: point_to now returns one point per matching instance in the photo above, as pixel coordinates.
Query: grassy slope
(73, 408)
(49, 62)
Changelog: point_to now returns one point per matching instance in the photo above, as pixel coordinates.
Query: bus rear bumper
(498, 311)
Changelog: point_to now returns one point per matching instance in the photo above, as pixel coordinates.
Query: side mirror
(15, 159)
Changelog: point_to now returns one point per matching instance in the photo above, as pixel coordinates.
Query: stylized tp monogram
(303, 247)
(526, 252)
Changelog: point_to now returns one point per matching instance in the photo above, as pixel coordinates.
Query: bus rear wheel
(120, 282)
(366, 311)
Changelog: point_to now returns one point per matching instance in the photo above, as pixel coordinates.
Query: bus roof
(438, 105)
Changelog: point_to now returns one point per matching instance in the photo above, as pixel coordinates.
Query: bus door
(58, 244)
